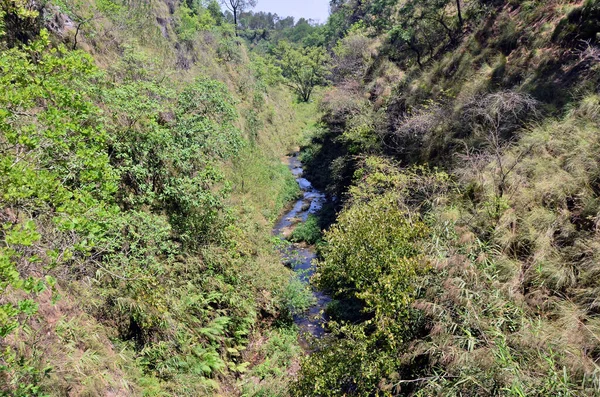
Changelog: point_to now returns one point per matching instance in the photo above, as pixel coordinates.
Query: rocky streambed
(301, 256)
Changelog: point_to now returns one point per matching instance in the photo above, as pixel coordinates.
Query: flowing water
(301, 256)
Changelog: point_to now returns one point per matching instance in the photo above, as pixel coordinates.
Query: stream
(301, 255)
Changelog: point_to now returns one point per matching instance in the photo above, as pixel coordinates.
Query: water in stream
(301, 255)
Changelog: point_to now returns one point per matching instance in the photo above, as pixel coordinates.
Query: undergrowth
(140, 172)
(308, 231)
(464, 159)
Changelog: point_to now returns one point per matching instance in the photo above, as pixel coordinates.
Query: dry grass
(83, 360)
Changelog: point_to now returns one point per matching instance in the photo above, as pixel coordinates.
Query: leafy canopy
(303, 68)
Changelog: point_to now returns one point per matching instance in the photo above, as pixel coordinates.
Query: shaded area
(300, 256)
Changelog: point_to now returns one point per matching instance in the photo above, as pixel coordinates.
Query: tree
(423, 30)
(237, 7)
(285, 23)
(380, 14)
(215, 11)
(459, 11)
(303, 68)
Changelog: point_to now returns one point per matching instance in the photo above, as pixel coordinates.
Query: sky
(309, 9)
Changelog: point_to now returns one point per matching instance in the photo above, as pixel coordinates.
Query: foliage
(303, 68)
(370, 255)
(280, 351)
(297, 297)
(510, 210)
(19, 21)
(229, 50)
(308, 231)
(365, 256)
(423, 28)
(266, 71)
(352, 56)
(192, 21)
(264, 30)
(55, 177)
(460, 143)
(118, 195)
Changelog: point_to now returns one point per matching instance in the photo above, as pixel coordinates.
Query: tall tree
(215, 11)
(237, 7)
(303, 68)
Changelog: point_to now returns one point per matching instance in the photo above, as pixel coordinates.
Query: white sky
(309, 9)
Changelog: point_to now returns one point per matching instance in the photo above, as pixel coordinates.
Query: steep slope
(140, 173)
(462, 144)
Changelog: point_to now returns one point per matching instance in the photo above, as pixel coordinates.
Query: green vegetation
(308, 231)
(140, 170)
(377, 263)
(264, 30)
(302, 68)
(459, 138)
(141, 174)
(372, 261)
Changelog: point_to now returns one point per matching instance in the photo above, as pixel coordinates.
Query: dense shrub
(371, 255)
(371, 259)
(121, 268)
(308, 231)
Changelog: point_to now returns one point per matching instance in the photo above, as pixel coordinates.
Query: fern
(215, 329)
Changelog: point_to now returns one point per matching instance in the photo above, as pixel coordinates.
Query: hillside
(141, 177)
(461, 140)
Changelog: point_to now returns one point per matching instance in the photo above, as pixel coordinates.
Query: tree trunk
(460, 18)
(235, 22)
(449, 31)
(417, 52)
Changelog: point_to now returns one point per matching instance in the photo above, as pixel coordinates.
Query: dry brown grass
(83, 360)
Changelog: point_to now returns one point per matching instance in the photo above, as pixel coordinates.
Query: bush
(229, 49)
(371, 255)
(297, 297)
(308, 232)
(500, 114)
(352, 57)
(114, 183)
